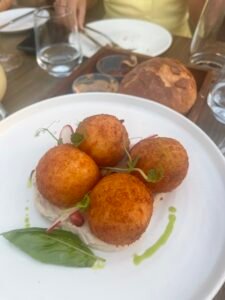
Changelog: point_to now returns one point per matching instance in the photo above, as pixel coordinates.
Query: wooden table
(30, 84)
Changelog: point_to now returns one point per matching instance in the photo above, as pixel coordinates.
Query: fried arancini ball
(120, 209)
(105, 139)
(65, 174)
(162, 154)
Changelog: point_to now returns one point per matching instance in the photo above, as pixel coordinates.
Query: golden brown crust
(120, 209)
(163, 80)
(65, 174)
(105, 138)
(164, 154)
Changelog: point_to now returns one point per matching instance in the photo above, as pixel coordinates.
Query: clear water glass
(207, 46)
(57, 42)
(216, 96)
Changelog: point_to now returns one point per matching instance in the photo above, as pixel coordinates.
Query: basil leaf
(59, 247)
(77, 138)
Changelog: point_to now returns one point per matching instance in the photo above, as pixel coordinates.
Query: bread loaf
(163, 80)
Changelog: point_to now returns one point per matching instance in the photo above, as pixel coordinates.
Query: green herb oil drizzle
(29, 181)
(99, 264)
(161, 241)
(27, 218)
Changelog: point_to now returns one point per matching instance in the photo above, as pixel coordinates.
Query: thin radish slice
(55, 225)
(65, 134)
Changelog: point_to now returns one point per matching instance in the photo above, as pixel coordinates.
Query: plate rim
(46, 104)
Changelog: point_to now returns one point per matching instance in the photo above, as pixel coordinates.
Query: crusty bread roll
(163, 80)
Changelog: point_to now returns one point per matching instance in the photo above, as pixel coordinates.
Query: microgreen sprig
(153, 175)
(76, 138)
(83, 204)
(43, 130)
(29, 182)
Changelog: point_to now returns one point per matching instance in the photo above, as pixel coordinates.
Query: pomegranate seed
(77, 219)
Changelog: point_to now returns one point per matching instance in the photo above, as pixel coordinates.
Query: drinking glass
(206, 47)
(216, 97)
(9, 60)
(57, 40)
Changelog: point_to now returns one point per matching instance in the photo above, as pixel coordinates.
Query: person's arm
(79, 7)
(195, 8)
(5, 4)
(91, 3)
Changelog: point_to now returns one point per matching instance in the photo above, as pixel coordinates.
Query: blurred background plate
(141, 36)
(23, 24)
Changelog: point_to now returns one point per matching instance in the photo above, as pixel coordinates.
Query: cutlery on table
(93, 40)
(111, 42)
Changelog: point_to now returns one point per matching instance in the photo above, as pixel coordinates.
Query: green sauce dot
(172, 209)
(99, 264)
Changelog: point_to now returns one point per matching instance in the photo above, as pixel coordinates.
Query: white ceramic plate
(141, 36)
(190, 266)
(20, 25)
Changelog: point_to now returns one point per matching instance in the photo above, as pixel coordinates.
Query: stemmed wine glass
(3, 86)
(8, 60)
(3, 112)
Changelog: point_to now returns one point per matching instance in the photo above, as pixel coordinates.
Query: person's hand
(79, 8)
(5, 4)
